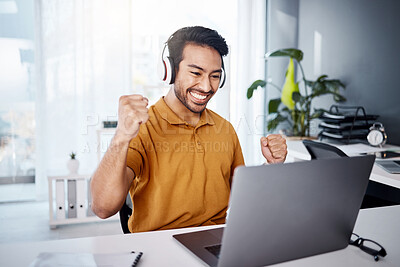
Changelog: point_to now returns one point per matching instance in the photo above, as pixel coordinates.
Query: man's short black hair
(196, 35)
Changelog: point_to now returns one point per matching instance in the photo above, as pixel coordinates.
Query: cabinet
(69, 200)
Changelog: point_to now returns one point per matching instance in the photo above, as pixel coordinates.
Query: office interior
(64, 64)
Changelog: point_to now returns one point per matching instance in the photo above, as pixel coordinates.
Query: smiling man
(177, 158)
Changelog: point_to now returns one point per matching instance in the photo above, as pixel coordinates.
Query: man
(177, 158)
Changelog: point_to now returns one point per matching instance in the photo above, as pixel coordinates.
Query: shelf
(71, 196)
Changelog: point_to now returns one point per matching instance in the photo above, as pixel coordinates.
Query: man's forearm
(110, 183)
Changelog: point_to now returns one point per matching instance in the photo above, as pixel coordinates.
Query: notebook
(87, 259)
(283, 212)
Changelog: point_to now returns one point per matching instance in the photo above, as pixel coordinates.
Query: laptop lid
(288, 211)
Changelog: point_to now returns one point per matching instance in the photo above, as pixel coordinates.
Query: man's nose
(205, 84)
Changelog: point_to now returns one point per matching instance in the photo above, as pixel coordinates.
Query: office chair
(377, 194)
(124, 213)
(319, 150)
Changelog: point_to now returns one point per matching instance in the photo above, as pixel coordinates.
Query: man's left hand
(274, 148)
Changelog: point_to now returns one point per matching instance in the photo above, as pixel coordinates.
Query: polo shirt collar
(167, 114)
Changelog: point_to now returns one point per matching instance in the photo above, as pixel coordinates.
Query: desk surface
(297, 151)
(160, 249)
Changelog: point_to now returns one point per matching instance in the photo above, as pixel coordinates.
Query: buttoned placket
(197, 140)
(168, 115)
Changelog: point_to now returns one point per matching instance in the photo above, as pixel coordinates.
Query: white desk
(160, 249)
(297, 151)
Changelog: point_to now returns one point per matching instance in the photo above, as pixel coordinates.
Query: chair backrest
(320, 150)
(124, 213)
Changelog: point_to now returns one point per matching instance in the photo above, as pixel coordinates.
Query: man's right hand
(132, 112)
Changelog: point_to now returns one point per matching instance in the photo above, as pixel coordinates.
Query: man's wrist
(120, 141)
(121, 137)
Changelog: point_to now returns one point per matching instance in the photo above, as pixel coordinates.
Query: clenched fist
(274, 148)
(132, 112)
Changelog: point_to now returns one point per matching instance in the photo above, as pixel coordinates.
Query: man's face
(198, 77)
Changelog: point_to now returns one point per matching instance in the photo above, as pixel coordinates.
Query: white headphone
(166, 69)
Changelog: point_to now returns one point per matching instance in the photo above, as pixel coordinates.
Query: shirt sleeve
(238, 159)
(136, 156)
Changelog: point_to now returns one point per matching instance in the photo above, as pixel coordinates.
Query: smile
(198, 96)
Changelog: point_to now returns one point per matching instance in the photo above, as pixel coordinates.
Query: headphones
(166, 69)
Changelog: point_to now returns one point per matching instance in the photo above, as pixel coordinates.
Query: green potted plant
(294, 107)
(73, 164)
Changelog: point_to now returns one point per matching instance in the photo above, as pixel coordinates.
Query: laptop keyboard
(215, 250)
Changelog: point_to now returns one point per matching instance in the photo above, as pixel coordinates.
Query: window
(17, 89)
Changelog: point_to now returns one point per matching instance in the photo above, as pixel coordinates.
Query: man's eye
(216, 76)
(195, 73)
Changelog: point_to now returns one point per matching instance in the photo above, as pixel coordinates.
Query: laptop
(283, 212)
(391, 166)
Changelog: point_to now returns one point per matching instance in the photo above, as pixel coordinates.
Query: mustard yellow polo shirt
(183, 173)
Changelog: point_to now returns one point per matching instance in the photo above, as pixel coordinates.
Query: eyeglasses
(367, 245)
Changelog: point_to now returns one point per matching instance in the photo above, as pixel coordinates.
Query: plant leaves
(335, 83)
(286, 52)
(296, 96)
(299, 115)
(339, 98)
(272, 124)
(323, 86)
(273, 105)
(322, 77)
(309, 83)
(289, 87)
(317, 113)
(254, 86)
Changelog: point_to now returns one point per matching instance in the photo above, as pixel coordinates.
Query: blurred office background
(65, 63)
